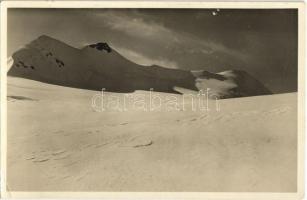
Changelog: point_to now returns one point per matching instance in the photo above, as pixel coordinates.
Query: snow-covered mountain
(98, 66)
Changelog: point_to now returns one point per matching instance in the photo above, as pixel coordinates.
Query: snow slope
(57, 142)
(49, 60)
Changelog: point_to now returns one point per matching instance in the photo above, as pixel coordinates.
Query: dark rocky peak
(101, 46)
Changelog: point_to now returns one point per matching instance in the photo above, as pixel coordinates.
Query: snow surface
(57, 142)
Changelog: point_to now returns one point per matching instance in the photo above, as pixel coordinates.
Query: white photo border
(5, 5)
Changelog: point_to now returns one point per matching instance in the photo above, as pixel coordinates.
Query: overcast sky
(261, 42)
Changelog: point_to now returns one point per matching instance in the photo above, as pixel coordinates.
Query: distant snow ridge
(98, 66)
(10, 63)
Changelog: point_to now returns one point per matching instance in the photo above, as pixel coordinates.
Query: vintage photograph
(152, 99)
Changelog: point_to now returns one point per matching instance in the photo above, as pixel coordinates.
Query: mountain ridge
(98, 66)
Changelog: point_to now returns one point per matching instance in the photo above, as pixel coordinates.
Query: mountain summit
(99, 66)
